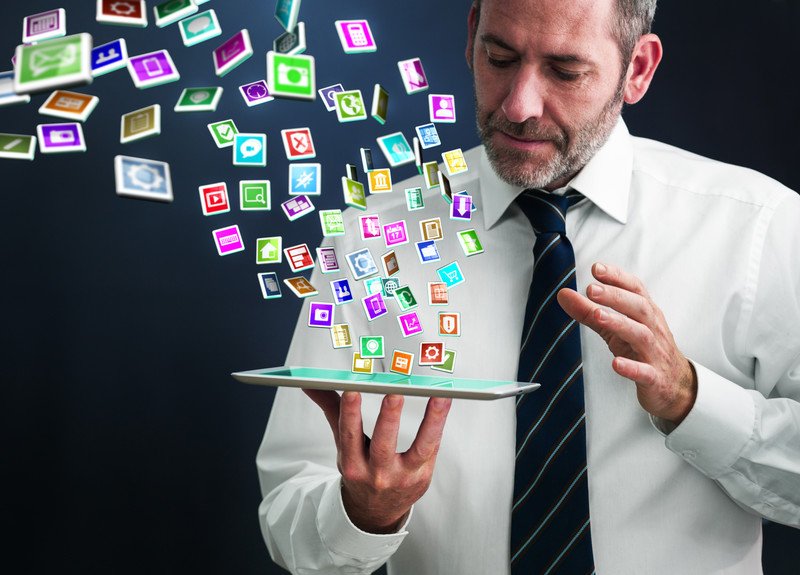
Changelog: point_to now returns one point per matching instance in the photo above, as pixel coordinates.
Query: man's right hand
(379, 485)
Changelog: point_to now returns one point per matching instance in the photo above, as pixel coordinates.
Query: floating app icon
(470, 242)
(449, 324)
(140, 124)
(395, 234)
(351, 171)
(370, 227)
(228, 240)
(320, 314)
(332, 223)
(44, 26)
(301, 287)
(372, 346)
(405, 298)
(431, 229)
(445, 189)
(431, 172)
(390, 285)
(396, 149)
(328, 262)
(51, 64)
(350, 106)
(291, 76)
(8, 96)
(380, 104)
(299, 258)
(255, 93)
(431, 353)
(268, 250)
(250, 150)
(427, 251)
(380, 181)
(122, 12)
(413, 75)
(223, 132)
(340, 336)
(341, 291)
(428, 136)
(361, 365)
(418, 159)
(270, 288)
(173, 10)
(298, 144)
(390, 265)
(232, 52)
(442, 108)
(297, 207)
(354, 193)
(451, 274)
(286, 12)
(448, 365)
(153, 69)
(291, 43)
(60, 138)
(438, 294)
(328, 95)
(69, 105)
(374, 306)
(414, 199)
(373, 286)
(143, 179)
(214, 199)
(461, 208)
(409, 324)
(199, 28)
(199, 100)
(366, 163)
(355, 36)
(109, 57)
(17, 146)
(454, 162)
(361, 264)
(255, 195)
(402, 362)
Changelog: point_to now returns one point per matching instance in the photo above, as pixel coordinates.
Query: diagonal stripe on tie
(550, 526)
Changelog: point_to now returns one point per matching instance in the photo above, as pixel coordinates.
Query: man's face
(548, 86)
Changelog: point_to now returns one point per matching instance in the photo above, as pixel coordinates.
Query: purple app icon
(443, 108)
(374, 306)
(255, 93)
(152, 69)
(320, 315)
(232, 52)
(410, 324)
(43, 25)
(328, 95)
(61, 138)
(461, 209)
(296, 207)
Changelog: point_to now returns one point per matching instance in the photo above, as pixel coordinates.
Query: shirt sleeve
(748, 440)
(302, 516)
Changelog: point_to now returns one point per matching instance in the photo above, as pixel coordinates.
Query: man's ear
(472, 28)
(646, 56)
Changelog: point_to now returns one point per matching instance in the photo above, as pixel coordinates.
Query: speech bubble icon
(250, 148)
(199, 24)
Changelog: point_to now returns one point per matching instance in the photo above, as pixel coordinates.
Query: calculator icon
(355, 36)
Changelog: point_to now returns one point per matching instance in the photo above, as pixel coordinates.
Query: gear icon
(145, 177)
(431, 353)
(122, 8)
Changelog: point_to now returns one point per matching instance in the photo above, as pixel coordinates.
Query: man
(679, 257)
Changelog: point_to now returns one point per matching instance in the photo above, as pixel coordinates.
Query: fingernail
(349, 396)
(602, 314)
(440, 403)
(601, 269)
(393, 400)
(595, 290)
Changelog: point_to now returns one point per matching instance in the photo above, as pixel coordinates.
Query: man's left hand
(639, 337)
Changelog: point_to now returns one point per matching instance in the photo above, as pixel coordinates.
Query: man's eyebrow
(492, 39)
(562, 58)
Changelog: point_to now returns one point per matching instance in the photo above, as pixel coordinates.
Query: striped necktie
(550, 516)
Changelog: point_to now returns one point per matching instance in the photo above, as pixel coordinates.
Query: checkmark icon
(226, 133)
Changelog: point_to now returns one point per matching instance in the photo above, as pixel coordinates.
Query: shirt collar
(605, 180)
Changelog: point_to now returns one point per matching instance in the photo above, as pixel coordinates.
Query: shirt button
(689, 454)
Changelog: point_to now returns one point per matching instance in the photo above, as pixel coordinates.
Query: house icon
(268, 251)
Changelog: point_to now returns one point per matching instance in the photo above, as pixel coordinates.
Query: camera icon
(293, 75)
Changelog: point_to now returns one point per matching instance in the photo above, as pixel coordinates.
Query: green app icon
(414, 200)
(350, 106)
(448, 365)
(268, 250)
(58, 63)
(254, 195)
(17, 147)
(405, 298)
(372, 347)
(470, 242)
(223, 132)
(332, 223)
(199, 100)
(173, 10)
(199, 28)
(354, 193)
(291, 76)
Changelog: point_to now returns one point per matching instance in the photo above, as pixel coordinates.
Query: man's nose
(525, 98)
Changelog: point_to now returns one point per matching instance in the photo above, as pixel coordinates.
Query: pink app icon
(442, 108)
(370, 227)
(395, 234)
(410, 324)
(228, 240)
(355, 36)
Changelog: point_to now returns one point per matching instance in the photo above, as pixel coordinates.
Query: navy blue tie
(550, 530)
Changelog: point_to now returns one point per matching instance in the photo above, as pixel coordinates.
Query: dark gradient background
(126, 446)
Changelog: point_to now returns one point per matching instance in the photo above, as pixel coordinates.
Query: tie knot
(547, 212)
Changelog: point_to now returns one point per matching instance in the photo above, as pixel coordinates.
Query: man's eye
(567, 76)
(499, 61)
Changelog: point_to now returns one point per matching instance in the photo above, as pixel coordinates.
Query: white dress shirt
(718, 248)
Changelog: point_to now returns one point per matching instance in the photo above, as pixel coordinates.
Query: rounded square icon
(122, 12)
(305, 179)
(255, 93)
(332, 223)
(199, 100)
(342, 293)
(428, 136)
(428, 252)
(268, 250)
(449, 324)
(17, 146)
(448, 365)
(250, 150)
(299, 258)
(301, 287)
(143, 179)
(152, 69)
(390, 265)
(370, 227)
(231, 53)
(380, 104)
(380, 181)
(199, 28)
(350, 106)
(414, 199)
(109, 57)
(320, 314)
(255, 195)
(374, 306)
(409, 324)
(328, 262)
(451, 274)
(214, 199)
(340, 336)
(291, 76)
(291, 42)
(43, 26)
(354, 193)
(390, 285)
(442, 108)
(470, 242)
(461, 208)
(431, 229)
(228, 240)
(361, 264)
(431, 353)
(396, 149)
(372, 346)
(297, 207)
(298, 143)
(361, 364)
(395, 234)
(438, 294)
(223, 132)
(173, 10)
(52, 64)
(374, 285)
(61, 138)
(405, 298)
(355, 36)
(69, 105)
(270, 288)
(286, 12)
(454, 162)
(414, 79)
(328, 95)
(402, 362)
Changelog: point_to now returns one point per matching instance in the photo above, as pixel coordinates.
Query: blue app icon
(109, 57)
(305, 179)
(341, 291)
(428, 136)
(250, 150)
(451, 274)
(427, 251)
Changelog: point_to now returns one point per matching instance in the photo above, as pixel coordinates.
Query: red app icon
(299, 258)
(298, 143)
(431, 353)
(214, 199)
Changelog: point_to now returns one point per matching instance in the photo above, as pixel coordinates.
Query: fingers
(429, 436)
(328, 401)
(641, 373)
(351, 432)
(628, 303)
(615, 276)
(383, 446)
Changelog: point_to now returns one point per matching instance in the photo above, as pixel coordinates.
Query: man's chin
(524, 169)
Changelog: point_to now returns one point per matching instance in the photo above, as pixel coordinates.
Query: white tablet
(384, 383)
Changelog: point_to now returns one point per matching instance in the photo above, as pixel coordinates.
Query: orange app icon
(380, 181)
(449, 323)
(402, 362)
